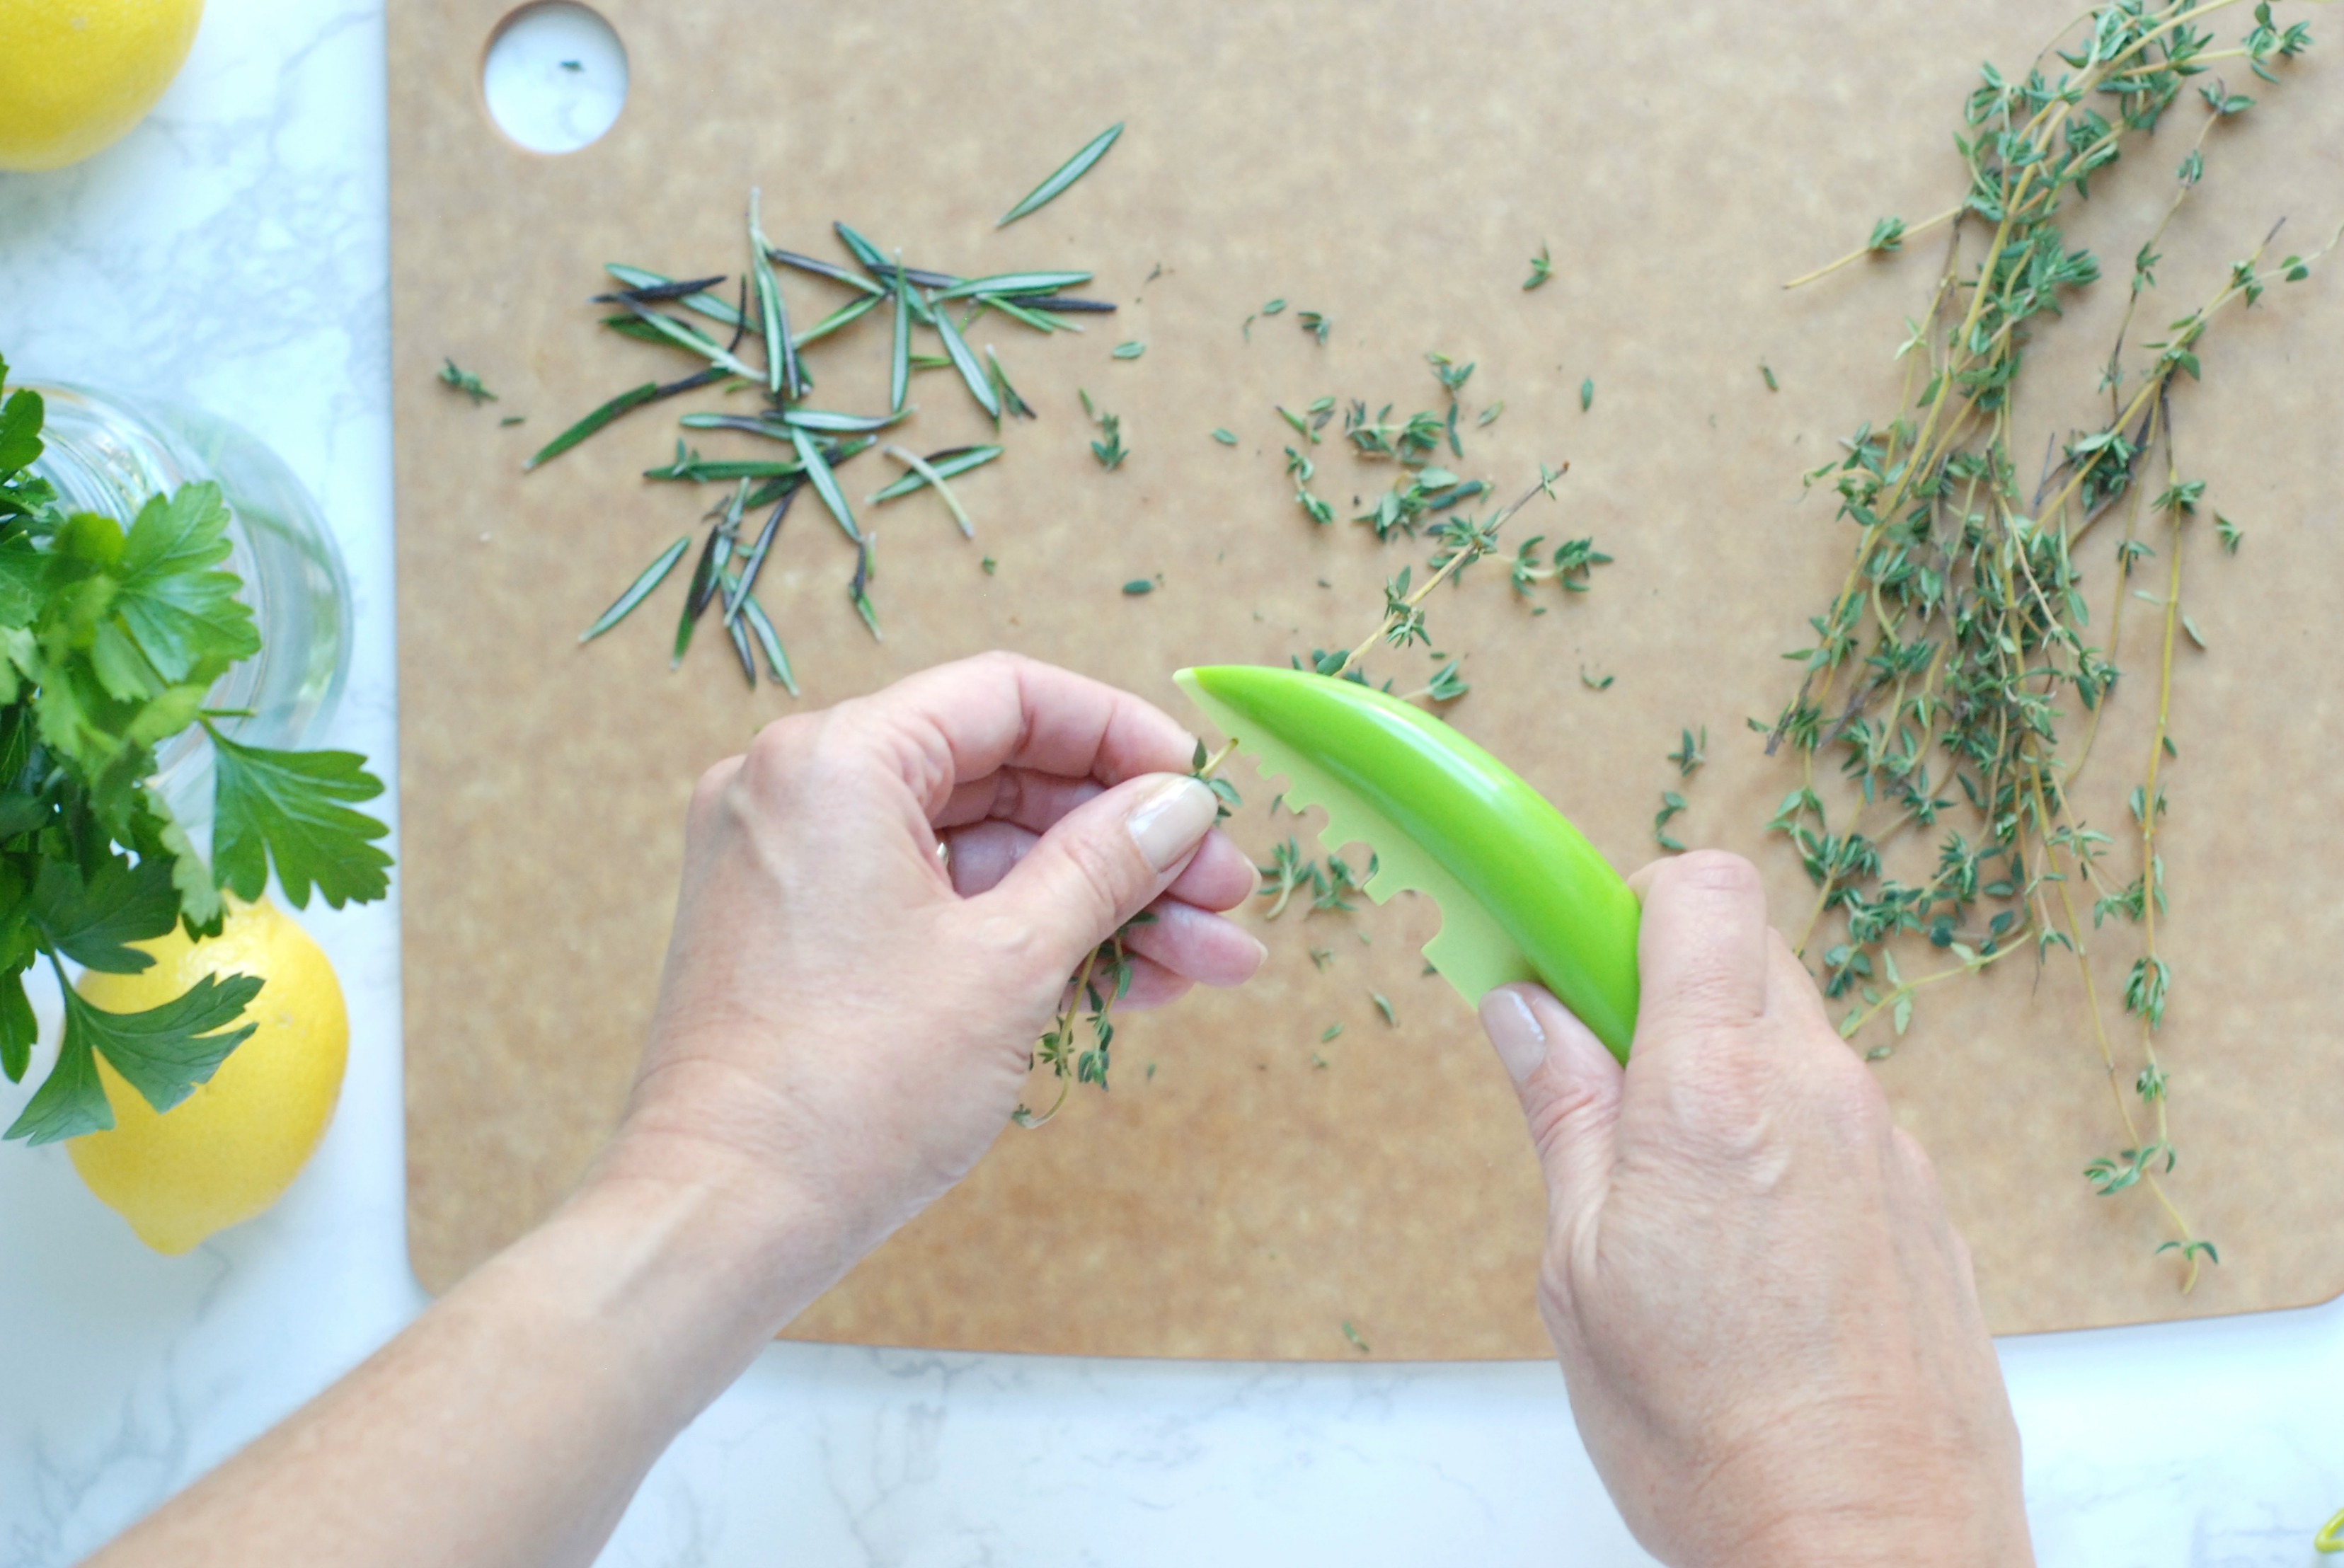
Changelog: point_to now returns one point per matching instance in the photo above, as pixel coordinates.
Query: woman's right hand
(1769, 1328)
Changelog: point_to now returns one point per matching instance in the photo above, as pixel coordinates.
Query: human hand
(1769, 1329)
(846, 1017)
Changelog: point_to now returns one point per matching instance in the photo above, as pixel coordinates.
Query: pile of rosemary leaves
(655, 308)
(1956, 679)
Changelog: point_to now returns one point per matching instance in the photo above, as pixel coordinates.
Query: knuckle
(1559, 1117)
(1712, 871)
(708, 792)
(1103, 875)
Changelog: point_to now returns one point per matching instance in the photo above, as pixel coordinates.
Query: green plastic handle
(1522, 895)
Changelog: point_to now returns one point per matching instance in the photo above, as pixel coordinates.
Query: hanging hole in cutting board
(555, 77)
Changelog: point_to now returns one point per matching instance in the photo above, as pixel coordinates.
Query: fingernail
(1171, 822)
(1514, 1029)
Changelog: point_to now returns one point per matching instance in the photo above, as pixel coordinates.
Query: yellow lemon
(230, 1149)
(75, 75)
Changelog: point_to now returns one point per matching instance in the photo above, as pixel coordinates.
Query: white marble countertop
(232, 252)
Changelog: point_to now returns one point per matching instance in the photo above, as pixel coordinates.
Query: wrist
(680, 1264)
(1921, 1525)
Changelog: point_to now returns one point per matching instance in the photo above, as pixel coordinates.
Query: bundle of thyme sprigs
(1957, 659)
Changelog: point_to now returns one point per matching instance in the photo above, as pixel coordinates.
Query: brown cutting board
(1249, 1187)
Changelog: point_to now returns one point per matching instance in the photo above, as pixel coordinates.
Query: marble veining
(233, 251)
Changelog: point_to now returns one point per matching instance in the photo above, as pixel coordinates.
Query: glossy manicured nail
(1514, 1029)
(1172, 820)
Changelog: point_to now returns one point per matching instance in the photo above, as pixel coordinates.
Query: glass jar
(105, 453)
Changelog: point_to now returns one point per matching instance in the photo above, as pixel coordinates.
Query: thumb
(1103, 862)
(1569, 1088)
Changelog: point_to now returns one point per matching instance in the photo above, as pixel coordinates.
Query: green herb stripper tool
(1522, 896)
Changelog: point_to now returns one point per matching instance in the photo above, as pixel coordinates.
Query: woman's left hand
(882, 903)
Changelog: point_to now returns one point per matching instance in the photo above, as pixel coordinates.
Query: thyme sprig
(1952, 678)
(1404, 619)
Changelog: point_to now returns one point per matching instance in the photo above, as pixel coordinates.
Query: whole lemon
(75, 75)
(231, 1148)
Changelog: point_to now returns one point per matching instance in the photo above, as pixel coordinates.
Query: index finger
(971, 719)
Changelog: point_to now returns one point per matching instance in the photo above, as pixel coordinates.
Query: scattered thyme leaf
(467, 383)
(1541, 269)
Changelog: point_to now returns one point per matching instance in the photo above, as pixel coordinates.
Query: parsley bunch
(109, 641)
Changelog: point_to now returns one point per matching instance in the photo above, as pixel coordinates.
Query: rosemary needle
(756, 563)
(645, 285)
(776, 658)
(781, 376)
(919, 465)
(633, 399)
(899, 375)
(853, 310)
(971, 372)
(824, 482)
(638, 590)
(826, 269)
(953, 461)
(1014, 283)
(1073, 169)
(1010, 402)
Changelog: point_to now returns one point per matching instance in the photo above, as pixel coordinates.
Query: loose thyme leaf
(1073, 169)
(1587, 395)
(288, 807)
(638, 590)
(1224, 437)
(1132, 350)
(1110, 452)
(1138, 586)
(1541, 269)
(467, 383)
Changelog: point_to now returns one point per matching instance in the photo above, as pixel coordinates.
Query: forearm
(512, 1421)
